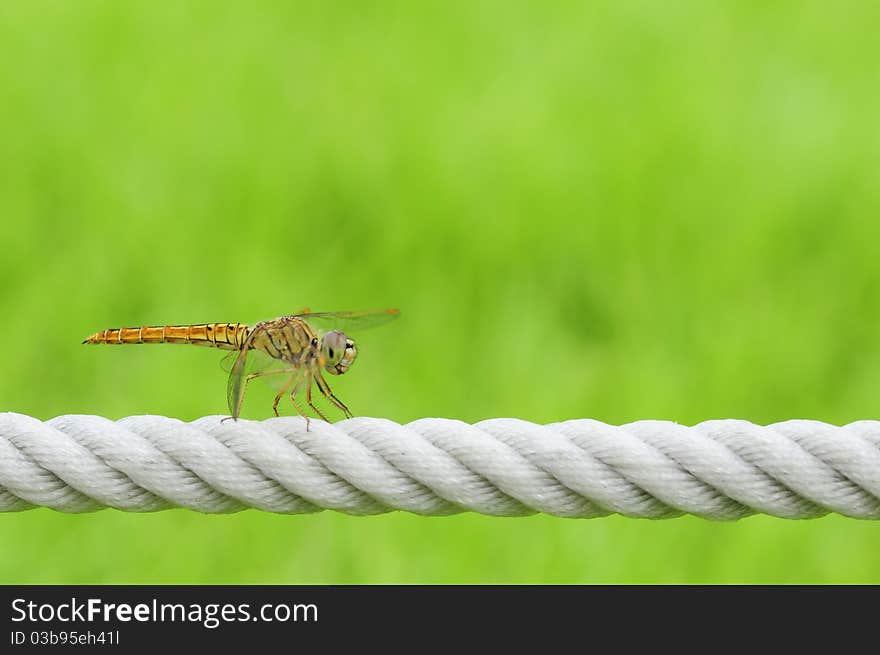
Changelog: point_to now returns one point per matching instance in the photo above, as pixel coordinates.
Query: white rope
(582, 468)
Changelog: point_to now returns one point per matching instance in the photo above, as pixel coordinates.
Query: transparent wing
(349, 322)
(235, 383)
(228, 360)
(249, 361)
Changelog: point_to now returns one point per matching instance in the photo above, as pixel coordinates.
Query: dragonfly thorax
(339, 352)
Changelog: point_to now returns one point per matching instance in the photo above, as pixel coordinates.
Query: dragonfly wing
(349, 322)
(229, 360)
(247, 362)
(235, 384)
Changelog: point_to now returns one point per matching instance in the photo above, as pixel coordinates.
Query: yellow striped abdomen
(228, 336)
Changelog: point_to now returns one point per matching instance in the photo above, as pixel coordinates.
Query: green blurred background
(617, 210)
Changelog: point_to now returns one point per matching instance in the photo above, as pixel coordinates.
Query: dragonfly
(291, 352)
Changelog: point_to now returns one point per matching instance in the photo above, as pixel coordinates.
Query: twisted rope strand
(720, 470)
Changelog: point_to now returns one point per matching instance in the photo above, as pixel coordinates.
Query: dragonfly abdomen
(228, 336)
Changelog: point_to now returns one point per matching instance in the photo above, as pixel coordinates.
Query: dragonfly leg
(293, 382)
(311, 404)
(328, 394)
(296, 404)
(250, 377)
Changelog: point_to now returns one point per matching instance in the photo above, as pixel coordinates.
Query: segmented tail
(228, 336)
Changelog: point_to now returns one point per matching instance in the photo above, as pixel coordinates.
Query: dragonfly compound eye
(348, 357)
(333, 349)
(339, 352)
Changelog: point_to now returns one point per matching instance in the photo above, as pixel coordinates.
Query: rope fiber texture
(723, 470)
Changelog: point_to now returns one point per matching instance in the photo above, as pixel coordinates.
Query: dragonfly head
(339, 352)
